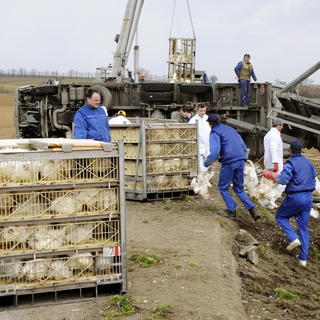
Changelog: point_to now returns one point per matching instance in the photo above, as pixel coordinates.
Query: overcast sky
(282, 36)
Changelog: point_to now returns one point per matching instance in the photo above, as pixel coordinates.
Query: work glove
(270, 175)
(275, 167)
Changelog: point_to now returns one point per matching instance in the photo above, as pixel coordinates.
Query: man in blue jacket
(91, 121)
(299, 176)
(227, 145)
(244, 71)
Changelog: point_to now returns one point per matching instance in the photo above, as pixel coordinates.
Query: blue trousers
(245, 92)
(233, 173)
(297, 205)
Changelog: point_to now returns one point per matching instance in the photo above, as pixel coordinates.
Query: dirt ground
(201, 276)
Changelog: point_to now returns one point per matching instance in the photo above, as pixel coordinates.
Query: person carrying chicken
(299, 176)
(227, 145)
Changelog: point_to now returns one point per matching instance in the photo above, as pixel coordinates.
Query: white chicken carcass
(201, 184)
(65, 205)
(36, 269)
(267, 193)
(79, 233)
(59, 270)
(81, 261)
(251, 180)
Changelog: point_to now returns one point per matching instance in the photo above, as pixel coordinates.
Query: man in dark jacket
(227, 145)
(299, 176)
(91, 121)
(244, 71)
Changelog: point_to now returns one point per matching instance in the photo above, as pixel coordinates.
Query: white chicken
(36, 270)
(12, 269)
(87, 198)
(79, 233)
(104, 263)
(267, 193)
(28, 209)
(106, 200)
(154, 149)
(178, 182)
(64, 205)
(23, 171)
(201, 184)
(159, 182)
(16, 234)
(46, 238)
(251, 180)
(59, 270)
(81, 261)
(314, 213)
(156, 166)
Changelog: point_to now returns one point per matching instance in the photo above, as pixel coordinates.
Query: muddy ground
(201, 276)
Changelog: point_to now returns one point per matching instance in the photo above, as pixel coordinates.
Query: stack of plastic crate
(314, 156)
(160, 158)
(62, 228)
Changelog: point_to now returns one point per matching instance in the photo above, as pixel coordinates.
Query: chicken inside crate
(58, 204)
(156, 150)
(82, 267)
(35, 172)
(169, 134)
(24, 239)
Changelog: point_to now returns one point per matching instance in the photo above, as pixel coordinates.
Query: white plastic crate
(25, 239)
(127, 134)
(130, 167)
(174, 165)
(58, 204)
(84, 267)
(168, 134)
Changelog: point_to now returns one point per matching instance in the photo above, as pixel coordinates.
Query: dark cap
(212, 117)
(277, 121)
(295, 146)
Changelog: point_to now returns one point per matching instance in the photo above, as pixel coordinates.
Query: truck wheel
(106, 95)
(157, 87)
(195, 88)
(44, 90)
(156, 96)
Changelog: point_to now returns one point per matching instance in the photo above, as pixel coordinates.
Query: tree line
(21, 72)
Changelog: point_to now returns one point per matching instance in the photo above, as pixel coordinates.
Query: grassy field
(8, 86)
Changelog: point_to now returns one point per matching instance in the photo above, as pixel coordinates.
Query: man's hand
(270, 175)
(275, 167)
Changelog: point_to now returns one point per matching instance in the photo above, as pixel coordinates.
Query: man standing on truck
(244, 72)
(299, 176)
(204, 132)
(227, 145)
(91, 121)
(273, 147)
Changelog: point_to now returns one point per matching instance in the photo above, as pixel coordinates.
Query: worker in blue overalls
(299, 176)
(227, 145)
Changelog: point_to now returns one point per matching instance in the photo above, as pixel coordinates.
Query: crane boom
(125, 39)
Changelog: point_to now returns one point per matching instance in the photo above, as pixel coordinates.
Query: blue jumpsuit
(299, 175)
(227, 144)
(91, 123)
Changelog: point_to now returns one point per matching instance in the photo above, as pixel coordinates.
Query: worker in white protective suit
(119, 118)
(273, 148)
(204, 134)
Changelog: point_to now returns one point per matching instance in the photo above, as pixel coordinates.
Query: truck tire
(193, 88)
(157, 87)
(106, 95)
(156, 96)
(44, 90)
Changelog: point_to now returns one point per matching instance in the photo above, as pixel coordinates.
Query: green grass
(285, 294)
(223, 224)
(122, 307)
(162, 309)
(146, 260)
(187, 198)
(193, 264)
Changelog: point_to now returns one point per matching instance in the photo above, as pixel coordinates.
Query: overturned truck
(48, 110)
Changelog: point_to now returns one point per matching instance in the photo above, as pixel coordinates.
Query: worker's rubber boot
(227, 214)
(255, 215)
